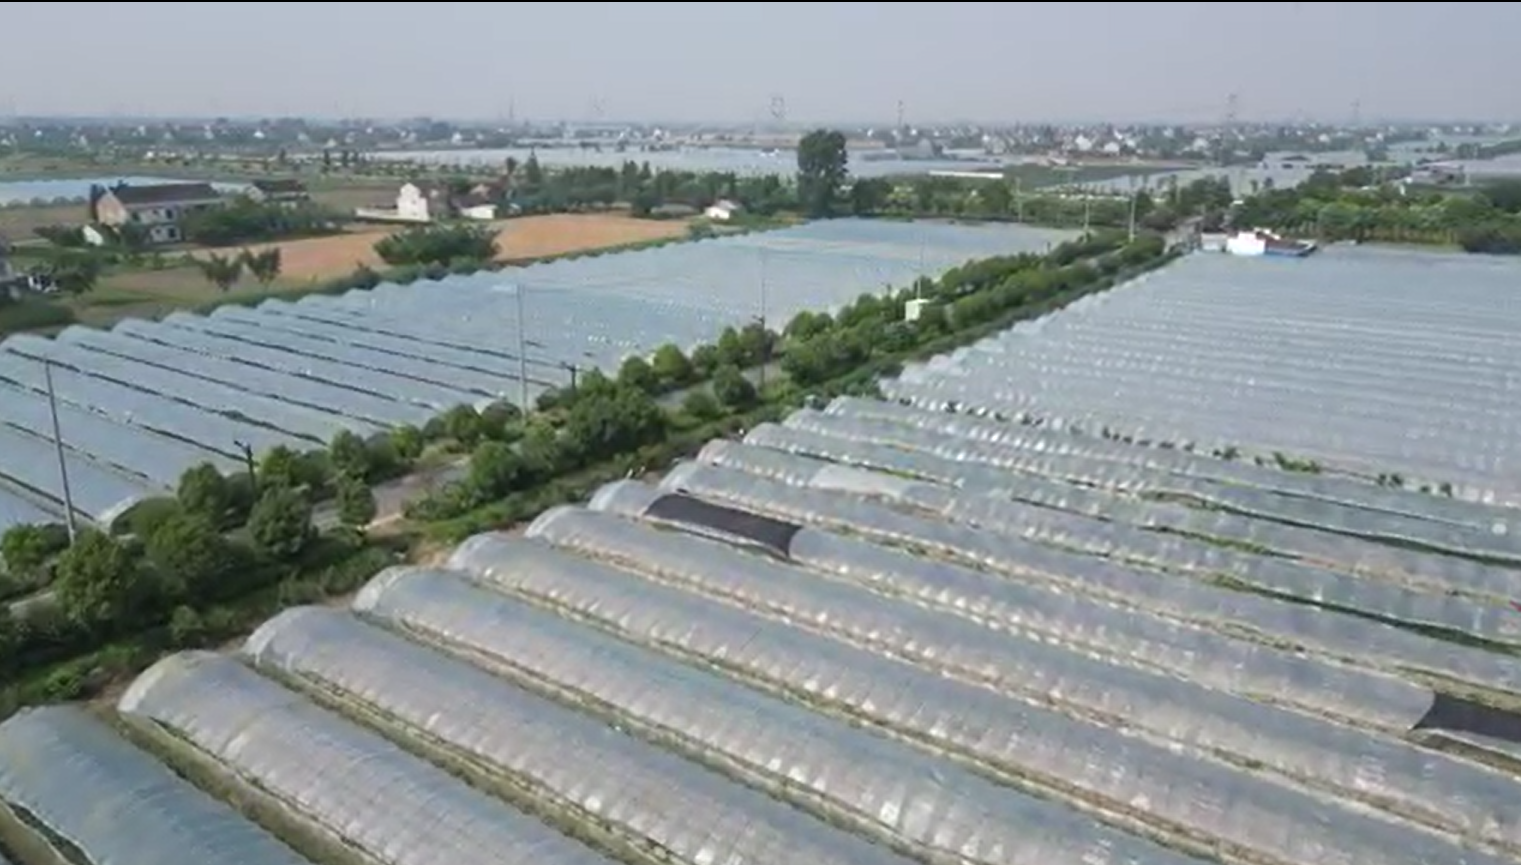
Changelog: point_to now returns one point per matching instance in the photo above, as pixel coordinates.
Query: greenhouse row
(796, 456)
(958, 431)
(845, 675)
(141, 402)
(1194, 601)
(191, 397)
(1326, 755)
(349, 782)
(91, 793)
(1124, 543)
(839, 771)
(1428, 518)
(1224, 354)
(1098, 493)
(641, 792)
(1074, 753)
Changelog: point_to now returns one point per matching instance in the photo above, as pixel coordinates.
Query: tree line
(1359, 204)
(227, 550)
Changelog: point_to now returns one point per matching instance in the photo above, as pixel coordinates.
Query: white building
(723, 210)
(416, 203)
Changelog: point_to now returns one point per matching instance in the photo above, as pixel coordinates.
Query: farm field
(321, 258)
(145, 400)
(310, 261)
(866, 609)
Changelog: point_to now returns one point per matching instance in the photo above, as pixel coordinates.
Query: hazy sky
(725, 61)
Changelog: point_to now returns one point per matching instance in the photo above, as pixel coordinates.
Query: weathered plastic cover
(651, 794)
(116, 803)
(396, 806)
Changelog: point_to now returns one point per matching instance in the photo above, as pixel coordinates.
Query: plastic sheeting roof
(1375, 361)
(145, 400)
(91, 788)
(353, 782)
(638, 789)
(947, 635)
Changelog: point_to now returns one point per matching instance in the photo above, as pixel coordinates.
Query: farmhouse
(159, 208)
(287, 192)
(423, 202)
(431, 202)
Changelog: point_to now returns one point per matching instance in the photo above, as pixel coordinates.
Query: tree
(463, 424)
(671, 366)
(822, 168)
(602, 424)
(99, 584)
(76, 272)
(280, 467)
(533, 175)
(495, 470)
(186, 627)
(732, 388)
(701, 404)
(263, 266)
(637, 374)
(356, 503)
(26, 549)
(221, 271)
(281, 523)
(204, 491)
(705, 360)
(12, 635)
(349, 455)
(499, 419)
(869, 195)
(408, 441)
(438, 244)
(190, 554)
(1504, 195)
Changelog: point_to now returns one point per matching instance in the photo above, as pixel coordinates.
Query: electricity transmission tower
(779, 108)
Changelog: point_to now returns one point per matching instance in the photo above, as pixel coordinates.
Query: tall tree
(821, 170)
(221, 271)
(263, 266)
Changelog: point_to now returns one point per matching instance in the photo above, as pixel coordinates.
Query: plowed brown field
(319, 258)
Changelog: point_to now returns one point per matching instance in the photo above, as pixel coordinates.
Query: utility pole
(1087, 211)
(523, 406)
(248, 460)
(574, 373)
(765, 336)
(1133, 196)
(63, 464)
(1019, 202)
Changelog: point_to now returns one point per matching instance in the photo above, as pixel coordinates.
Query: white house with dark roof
(160, 207)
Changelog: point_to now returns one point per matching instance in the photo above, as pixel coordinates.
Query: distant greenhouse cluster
(1400, 366)
(143, 401)
(871, 634)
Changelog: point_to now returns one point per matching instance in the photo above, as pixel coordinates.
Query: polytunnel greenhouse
(1003, 618)
(1371, 361)
(635, 789)
(93, 797)
(141, 402)
(351, 783)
